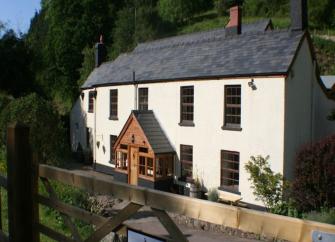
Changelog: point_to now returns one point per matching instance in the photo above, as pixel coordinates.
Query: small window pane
(230, 170)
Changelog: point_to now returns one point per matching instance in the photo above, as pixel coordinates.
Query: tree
(268, 186)
(88, 64)
(314, 176)
(16, 76)
(321, 13)
(47, 133)
(179, 11)
(136, 22)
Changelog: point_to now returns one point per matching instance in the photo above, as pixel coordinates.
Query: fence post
(22, 179)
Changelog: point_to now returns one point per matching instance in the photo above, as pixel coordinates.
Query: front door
(133, 171)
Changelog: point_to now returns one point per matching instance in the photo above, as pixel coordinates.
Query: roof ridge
(205, 40)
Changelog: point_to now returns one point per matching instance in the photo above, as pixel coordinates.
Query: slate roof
(203, 55)
(153, 131)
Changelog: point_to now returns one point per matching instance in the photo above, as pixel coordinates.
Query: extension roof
(152, 130)
(211, 54)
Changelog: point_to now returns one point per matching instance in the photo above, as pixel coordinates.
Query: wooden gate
(23, 175)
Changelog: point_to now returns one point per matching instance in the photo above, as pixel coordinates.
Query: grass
(324, 216)
(209, 20)
(48, 216)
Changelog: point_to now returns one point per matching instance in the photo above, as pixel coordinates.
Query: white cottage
(199, 105)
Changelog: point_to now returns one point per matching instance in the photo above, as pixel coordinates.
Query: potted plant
(195, 188)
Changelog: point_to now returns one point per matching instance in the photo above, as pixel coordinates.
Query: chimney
(100, 52)
(299, 15)
(234, 26)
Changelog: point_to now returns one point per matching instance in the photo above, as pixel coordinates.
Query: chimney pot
(235, 22)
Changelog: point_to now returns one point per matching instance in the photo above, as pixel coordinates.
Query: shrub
(268, 186)
(314, 183)
(47, 134)
(213, 195)
(324, 216)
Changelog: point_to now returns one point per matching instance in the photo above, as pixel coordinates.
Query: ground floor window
(146, 167)
(164, 166)
(122, 160)
(230, 164)
(113, 138)
(186, 160)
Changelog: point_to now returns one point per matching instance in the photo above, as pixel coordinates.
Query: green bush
(268, 186)
(47, 133)
(213, 195)
(325, 215)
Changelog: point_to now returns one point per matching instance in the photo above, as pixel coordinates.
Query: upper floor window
(186, 105)
(230, 165)
(91, 96)
(113, 95)
(186, 160)
(232, 110)
(143, 94)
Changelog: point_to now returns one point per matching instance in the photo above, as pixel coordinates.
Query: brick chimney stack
(234, 27)
(299, 15)
(100, 52)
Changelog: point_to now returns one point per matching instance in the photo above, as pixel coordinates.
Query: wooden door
(133, 171)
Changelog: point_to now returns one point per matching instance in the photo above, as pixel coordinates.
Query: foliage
(266, 8)
(325, 52)
(180, 11)
(137, 22)
(314, 176)
(213, 195)
(15, 75)
(47, 134)
(222, 6)
(321, 13)
(325, 215)
(67, 27)
(87, 65)
(268, 186)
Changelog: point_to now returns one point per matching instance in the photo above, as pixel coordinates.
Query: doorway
(133, 170)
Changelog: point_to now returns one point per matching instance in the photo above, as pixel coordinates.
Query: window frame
(234, 126)
(185, 105)
(91, 97)
(188, 162)
(143, 98)
(113, 112)
(112, 140)
(232, 188)
(146, 167)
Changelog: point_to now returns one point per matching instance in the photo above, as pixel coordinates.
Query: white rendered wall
(298, 107)
(262, 124)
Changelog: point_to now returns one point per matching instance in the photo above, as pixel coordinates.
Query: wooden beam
(67, 220)
(72, 211)
(169, 225)
(22, 180)
(53, 234)
(114, 222)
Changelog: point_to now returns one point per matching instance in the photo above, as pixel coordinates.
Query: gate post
(22, 179)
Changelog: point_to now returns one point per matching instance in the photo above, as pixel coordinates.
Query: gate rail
(24, 174)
